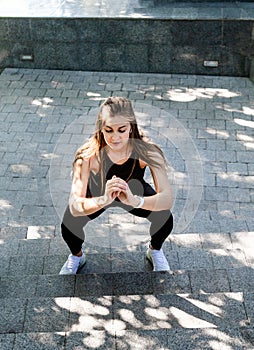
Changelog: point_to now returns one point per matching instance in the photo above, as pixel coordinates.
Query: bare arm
(162, 200)
(78, 203)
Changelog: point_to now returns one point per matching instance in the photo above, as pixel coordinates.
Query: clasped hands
(118, 188)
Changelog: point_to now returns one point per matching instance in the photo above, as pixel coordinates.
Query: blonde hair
(144, 149)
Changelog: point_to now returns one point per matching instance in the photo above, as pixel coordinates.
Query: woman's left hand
(127, 197)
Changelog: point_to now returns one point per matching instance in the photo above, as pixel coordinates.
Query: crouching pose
(108, 170)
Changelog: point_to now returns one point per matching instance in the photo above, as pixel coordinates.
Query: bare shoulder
(94, 164)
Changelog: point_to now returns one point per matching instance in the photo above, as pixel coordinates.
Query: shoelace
(73, 262)
(159, 258)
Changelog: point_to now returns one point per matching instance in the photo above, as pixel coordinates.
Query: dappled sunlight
(243, 122)
(209, 305)
(42, 102)
(192, 94)
(158, 313)
(20, 169)
(129, 317)
(5, 205)
(94, 341)
(187, 320)
(219, 133)
(246, 140)
(244, 110)
(86, 314)
(50, 156)
(244, 137)
(146, 312)
(94, 96)
(219, 339)
(237, 178)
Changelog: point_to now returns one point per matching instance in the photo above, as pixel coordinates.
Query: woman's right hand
(112, 189)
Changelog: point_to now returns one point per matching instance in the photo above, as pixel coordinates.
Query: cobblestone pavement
(205, 126)
(41, 115)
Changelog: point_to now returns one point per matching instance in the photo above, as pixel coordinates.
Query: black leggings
(161, 223)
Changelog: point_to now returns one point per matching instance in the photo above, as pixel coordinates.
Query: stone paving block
(243, 156)
(243, 240)
(179, 311)
(4, 267)
(171, 282)
(142, 339)
(100, 339)
(94, 284)
(8, 234)
(247, 337)
(25, 265)
(40, 341)
(53, 264)
(34, 247)
(250, 224)
(25, 286)
(249, 306)
(231, 225)
(185, 241)
(209, 339)
(97, 263)
(127, 262)
(9, 248)
(228, 258)
(55, 285)
(209, 281)
(132, 283)
(12, 315)
(36, 232)
(91, 313)
(6, 341)
(194, 259)
(216, 240)
(172, 258)
(241, 279)
(47, 315)
(215, 309)
(239, 195)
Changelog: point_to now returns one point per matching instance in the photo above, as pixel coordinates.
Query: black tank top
(130, 171)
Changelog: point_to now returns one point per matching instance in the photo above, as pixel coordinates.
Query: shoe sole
(151, 262)
(79, 268)
(83, 264)
(149, 259)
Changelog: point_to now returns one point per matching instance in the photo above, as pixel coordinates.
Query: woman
(108, 170)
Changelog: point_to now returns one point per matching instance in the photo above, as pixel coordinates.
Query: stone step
(128, 283)
(208, 241)
(233, 337)
(56, 245)
(126, 313)
(23, 263)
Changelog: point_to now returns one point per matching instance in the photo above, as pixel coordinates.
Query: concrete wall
(128, 45)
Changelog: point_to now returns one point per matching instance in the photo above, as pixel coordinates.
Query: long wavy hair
(142, 147)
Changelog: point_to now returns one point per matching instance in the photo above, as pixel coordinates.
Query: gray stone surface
(40, 341)
(146, 38)
(210, 285)
(6, 341)
(102, 339)
(47, 315)
(12, 315)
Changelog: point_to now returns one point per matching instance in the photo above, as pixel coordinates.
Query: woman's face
(116, 132)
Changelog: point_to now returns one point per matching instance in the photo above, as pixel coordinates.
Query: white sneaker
(157, 259)
(73, 264)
